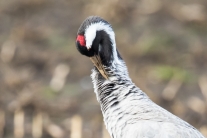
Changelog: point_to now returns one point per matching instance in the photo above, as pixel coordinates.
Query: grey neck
(115, 95)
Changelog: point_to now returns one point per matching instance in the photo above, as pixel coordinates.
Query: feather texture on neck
(116, 95)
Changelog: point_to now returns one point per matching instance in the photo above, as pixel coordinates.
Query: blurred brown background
(45, 88)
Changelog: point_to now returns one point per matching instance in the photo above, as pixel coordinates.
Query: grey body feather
(129, 113)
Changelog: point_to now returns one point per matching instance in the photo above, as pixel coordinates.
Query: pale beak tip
(88, 48)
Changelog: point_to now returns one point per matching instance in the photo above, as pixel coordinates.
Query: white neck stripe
(90, 34)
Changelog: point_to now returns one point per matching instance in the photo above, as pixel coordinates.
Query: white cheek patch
(90, 32)
(90, 35)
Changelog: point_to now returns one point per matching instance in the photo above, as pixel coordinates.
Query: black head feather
(102, 44)
(88, 21)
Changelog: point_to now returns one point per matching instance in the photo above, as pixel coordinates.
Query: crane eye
(81, 40)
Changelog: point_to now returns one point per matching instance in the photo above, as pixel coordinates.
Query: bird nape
(128, 112)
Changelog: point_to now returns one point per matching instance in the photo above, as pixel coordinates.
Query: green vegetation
(167, 72)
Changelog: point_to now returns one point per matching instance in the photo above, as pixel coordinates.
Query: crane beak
(88, 48)
(97, 62)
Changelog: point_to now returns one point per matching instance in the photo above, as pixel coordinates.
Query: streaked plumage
(128, 112)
